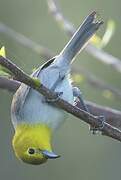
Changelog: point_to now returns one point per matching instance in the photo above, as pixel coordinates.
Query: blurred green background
(84, 156)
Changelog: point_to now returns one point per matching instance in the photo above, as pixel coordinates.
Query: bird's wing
(23, 91)
(45, 65)
(36, 74)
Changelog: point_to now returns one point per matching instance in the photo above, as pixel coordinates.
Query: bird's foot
(58, 95)
(95, 130)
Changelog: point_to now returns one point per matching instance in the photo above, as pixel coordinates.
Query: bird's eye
(31, 151)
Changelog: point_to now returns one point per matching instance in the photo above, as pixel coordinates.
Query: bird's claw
(58, 95)
(94, 130)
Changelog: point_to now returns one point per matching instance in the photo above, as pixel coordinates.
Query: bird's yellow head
(32, 143)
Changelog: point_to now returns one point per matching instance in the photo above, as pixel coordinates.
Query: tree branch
(9, 84)
(112, 116)
(69, 28)
(35, 84)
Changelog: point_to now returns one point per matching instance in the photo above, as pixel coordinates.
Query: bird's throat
(35, 133)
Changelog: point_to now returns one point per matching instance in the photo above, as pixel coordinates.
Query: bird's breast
(35, 109)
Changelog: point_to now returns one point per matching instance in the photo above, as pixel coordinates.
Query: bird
(34, 118)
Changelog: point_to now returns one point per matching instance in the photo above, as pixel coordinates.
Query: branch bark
(112, 116)
(77, 112)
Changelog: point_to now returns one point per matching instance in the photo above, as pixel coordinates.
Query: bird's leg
(78, 94)
(59, 79)
(94, 129)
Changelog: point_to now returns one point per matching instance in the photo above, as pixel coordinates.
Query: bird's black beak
(50, 154)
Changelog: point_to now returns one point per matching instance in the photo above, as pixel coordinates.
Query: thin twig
(96, 82)
(35, 84)
(69, 28)
(26, 42)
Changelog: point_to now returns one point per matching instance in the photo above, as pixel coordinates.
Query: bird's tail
(80, 38)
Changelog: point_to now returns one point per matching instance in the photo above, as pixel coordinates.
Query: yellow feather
(37, 136)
